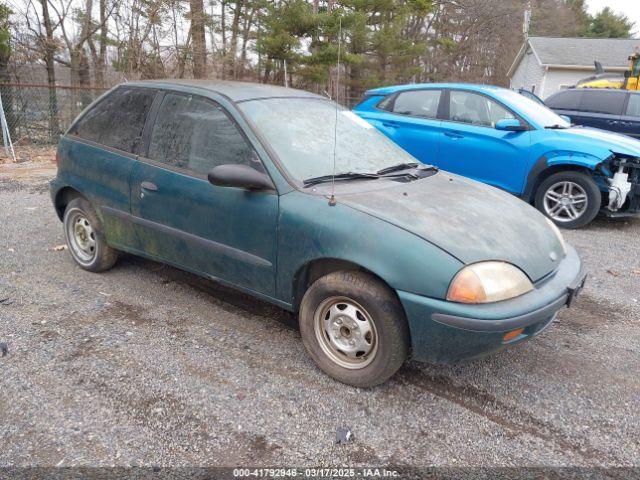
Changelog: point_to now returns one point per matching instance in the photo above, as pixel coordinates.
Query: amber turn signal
(512, 334)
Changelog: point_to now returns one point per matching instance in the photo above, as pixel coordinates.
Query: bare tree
(198, 38)
(49, 50)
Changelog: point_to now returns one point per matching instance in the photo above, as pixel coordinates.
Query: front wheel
(571, 199)
(354, 328)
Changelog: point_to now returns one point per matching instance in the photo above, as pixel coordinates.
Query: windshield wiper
(339, 177)
(556, 127)
(397, 168)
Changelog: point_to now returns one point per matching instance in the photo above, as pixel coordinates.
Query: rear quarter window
(118, 119)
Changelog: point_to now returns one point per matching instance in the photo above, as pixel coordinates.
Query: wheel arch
(543, 170)
(314, 269)
(63, 197)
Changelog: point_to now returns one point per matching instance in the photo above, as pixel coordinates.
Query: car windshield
(534, 111)
(301, 131)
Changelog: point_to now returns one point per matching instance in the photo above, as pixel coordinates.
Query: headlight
(556, 230)
(486, 282)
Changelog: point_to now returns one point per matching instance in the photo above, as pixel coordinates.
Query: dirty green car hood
(469, 220)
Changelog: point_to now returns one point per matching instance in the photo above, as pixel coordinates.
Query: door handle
(152, 187)
(453, 135)
(388, 123)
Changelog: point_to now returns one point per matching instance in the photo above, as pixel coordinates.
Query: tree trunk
(223, 33)
(7, 93)
(49, 54)
(100, 66)
(246, 31)
(235, 32)
(198, 39)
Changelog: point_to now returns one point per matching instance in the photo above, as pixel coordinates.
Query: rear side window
(194, 133)
(118, 120)
(605, 102)
(417, 103)
(569, 100)
(633, 107)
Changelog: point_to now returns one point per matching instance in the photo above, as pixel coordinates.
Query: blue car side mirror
(510, 125)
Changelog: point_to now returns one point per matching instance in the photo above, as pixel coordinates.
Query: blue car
(499, 137)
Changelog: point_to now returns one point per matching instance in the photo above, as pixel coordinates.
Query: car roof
(235, 91)
(618, 91)
(426, 86)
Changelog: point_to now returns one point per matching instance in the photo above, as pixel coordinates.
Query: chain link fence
(37, 114)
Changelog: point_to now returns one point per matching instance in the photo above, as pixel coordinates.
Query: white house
(545, 65)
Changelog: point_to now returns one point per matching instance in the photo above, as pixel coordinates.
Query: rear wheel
(354, 328)
(85, 238)
(570, 199)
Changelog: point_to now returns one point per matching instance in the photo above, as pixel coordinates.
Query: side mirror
(240, 176)
(510, 125)
(566, 118)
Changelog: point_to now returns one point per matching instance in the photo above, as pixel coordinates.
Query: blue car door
(223, 232)
(473, 147)
(410, 119)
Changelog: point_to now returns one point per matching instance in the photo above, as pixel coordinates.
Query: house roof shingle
(611, 52)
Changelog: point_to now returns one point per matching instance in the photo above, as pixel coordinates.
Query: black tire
(582, 181)
(371, 299)
(91, 252)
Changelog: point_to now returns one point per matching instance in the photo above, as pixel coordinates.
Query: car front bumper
(448, 332)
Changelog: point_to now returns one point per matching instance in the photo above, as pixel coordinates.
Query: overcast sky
(630, 8)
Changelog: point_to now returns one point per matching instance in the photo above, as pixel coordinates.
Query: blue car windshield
(531, 110)
(301, 131)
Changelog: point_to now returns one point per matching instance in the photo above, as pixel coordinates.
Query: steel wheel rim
(81, 237)
(346, 332)
(565, 201)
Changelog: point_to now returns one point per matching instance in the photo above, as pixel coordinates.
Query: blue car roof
(425, 86)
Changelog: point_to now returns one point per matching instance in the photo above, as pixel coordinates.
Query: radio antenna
(332, 199)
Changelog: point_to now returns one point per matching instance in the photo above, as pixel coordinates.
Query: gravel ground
(148, 365)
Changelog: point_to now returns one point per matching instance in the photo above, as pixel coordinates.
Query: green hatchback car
(299, 202)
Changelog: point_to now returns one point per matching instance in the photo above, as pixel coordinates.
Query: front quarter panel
(310, 229)
(563, 149)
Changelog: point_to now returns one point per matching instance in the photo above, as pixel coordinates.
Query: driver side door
(222, 232)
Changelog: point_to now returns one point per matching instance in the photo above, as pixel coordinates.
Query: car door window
(118, 119)
(633, 107)
(605, 102)
(196, 134)
(475, 109)
(569, 100)
(418, 103)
